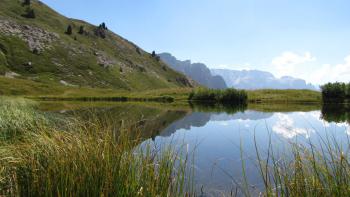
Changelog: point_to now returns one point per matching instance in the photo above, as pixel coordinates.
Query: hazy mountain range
(197, 71)
(256, 79)
(241, 79)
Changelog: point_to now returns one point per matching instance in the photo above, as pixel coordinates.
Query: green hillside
(39, 49)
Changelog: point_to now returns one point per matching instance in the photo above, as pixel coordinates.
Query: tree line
(336, 92)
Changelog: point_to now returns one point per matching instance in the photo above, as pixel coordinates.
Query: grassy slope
(78, 57)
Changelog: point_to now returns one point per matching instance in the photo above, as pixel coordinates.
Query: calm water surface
(221, 140)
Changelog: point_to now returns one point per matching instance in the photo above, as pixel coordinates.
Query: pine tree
(153, 54)
(69, 30)
(103, 25)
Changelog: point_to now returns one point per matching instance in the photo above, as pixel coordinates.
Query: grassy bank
(43, 155)
(27, 88)
(284, 96)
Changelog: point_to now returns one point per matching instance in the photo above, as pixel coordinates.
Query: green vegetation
(339, 113)
(26, 2)
(48, 90)
(69, 30)
(29, 13)
(284, 96)
(21, 87)
(227, 96)
(40, 157)
(284, 107)
(335, 92)
(320, 169)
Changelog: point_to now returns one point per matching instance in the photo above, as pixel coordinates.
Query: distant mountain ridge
(256, 79)
(197, 71)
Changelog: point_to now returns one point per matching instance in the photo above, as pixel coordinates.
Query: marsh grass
(18, 116)
(306, 169)
(86, 158)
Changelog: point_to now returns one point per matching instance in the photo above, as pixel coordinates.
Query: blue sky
(309, 39)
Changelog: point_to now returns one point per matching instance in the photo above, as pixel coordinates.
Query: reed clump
(309, 169)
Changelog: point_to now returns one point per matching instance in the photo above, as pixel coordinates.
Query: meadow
(37, 90)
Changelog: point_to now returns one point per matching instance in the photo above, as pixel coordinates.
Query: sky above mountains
(305, 39)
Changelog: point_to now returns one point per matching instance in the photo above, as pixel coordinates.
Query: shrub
(29, 13)
(26, 2)
(334, 92)
(348, 91)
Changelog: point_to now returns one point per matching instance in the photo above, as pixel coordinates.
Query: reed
(307, 169)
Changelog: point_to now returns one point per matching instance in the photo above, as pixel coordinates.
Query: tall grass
(227, 96)
(321, 169)
(18, 116)
(81, 159)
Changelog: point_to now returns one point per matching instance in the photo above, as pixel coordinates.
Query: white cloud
(285, 127)
(329, 73)
(286, 63)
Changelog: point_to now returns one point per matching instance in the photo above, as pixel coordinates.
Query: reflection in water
(285, 126)
(336, 113)
(147, 121)
(200, 119)
(219, 138)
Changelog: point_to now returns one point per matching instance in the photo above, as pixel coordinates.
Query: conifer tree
(81, 30)
(69, 30)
